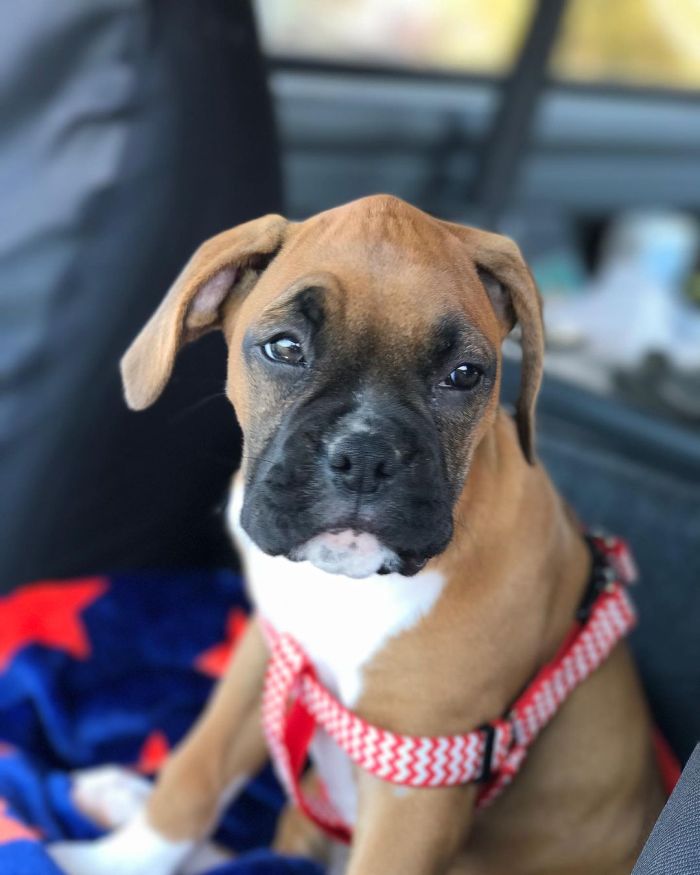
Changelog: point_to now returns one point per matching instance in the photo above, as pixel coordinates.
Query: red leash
(296, 704)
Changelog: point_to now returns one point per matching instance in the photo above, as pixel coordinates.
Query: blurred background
(131, 130)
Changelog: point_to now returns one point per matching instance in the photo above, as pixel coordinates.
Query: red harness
(295, 704)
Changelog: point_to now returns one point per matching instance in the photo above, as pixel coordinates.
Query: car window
(630, 42)
(467, 36)
(626, 42)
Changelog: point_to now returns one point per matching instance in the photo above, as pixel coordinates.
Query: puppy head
(364, 368)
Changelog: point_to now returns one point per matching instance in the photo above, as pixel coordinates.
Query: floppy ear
(511, 288)
(223, 265)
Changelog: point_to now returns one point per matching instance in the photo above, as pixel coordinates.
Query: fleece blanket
(114, 670)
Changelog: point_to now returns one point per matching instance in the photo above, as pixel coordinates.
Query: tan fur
(515, 571)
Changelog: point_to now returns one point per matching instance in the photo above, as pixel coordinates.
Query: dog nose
(362, 462)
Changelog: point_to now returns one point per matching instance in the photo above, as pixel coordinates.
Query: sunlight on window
(625, 42)
(457, 35)
(634, 42)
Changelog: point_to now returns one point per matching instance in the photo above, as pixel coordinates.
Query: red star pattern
(47, 613)
(214, 660)
(153, 753)
(11, 830)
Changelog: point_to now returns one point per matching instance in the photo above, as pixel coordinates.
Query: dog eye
(464, 378)
(285, 350)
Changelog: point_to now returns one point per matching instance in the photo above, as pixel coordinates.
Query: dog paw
(135, 849)
(83, 858)
(109, 795)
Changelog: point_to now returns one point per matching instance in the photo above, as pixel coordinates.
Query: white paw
(88, 858)
(110, 795)
(135, 849)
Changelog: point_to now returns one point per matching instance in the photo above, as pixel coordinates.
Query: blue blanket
(114, 670)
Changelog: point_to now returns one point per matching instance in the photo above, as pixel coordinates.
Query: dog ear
(513, 293)
(226, 264)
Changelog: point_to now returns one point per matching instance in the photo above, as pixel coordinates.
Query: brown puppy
(364, 368)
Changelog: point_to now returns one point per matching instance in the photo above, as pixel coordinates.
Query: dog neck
(516, 542)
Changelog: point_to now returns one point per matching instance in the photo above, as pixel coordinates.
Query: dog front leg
(403, 831)
(225, 747)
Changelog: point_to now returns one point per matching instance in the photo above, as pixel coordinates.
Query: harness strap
(296, 704)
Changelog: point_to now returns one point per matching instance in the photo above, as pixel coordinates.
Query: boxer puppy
(396, 522)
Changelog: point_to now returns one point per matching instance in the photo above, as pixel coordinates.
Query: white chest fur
(341, 623)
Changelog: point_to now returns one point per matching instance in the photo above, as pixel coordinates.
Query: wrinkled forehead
(398, 271)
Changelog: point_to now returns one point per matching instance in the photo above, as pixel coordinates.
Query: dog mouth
(354, 553)
(348, 552)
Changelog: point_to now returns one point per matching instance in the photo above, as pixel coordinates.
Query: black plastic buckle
(603, 575)
(487, 770)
